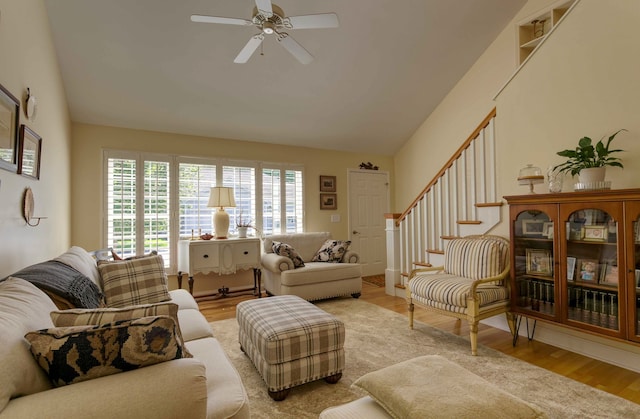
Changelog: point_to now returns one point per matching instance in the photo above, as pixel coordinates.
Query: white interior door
(368, 202)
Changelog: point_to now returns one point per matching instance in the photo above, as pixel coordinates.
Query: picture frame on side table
(328, 201)
(29, 154)
(595, 233)
(327, 183)
(533, 228)
(588, 270)
(571, 268)
(9, 122)
(539, 262)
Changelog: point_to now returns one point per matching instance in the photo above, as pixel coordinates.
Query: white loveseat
(205, 386)
(314, 281)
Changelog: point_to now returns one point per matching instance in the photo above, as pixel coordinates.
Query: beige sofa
(205, 386)
(314, 281)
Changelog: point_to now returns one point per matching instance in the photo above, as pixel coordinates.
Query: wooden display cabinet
(575, 260)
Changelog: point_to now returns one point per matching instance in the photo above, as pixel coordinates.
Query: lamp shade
(221, 196)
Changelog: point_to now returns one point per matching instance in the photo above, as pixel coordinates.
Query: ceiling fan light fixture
(268, 28)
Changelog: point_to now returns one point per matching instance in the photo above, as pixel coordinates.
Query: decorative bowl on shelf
(592, 186)
(206, 236)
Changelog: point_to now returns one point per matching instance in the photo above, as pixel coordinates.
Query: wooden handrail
(447, 165)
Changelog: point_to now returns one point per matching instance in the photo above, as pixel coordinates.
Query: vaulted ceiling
(143, 64)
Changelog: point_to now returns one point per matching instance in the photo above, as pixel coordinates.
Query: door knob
(355, 232)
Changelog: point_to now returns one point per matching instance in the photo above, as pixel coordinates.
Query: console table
(224, 257)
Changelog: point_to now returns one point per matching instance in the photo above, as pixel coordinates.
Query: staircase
(459, 201)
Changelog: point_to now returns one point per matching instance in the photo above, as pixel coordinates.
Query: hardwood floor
(606, 377)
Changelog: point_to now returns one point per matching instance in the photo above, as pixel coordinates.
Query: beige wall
(89, 141)
(28, 60)
(583, 81)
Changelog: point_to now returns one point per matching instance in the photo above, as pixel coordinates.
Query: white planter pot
(242, 232)
(592, 175)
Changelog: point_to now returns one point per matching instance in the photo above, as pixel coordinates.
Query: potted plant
(589, 161)
(242, 225)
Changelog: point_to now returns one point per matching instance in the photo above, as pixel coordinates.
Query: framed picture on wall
(327, 183)
(29, 153)
(328, 201)
(9, 120)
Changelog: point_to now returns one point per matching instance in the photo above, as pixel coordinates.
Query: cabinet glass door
(633, 272)
(534, 263)
(593, 272)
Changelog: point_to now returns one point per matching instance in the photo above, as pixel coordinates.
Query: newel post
(392, 273)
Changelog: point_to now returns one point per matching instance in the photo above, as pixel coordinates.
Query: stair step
(489, 204)
(469, 222)
(400, 286)
(435, 251)
(425, 264)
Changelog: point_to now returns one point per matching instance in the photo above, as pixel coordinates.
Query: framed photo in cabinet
(571, 268)
(547, 230)
(637, 278)
(609, 274)
(533, 227)
(539, 262)
(595, 233)
(588, 270)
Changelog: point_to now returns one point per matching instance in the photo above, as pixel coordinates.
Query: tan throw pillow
(132, 282)
(100, 316)
(332, 251)
(79, 353)
(434, 387)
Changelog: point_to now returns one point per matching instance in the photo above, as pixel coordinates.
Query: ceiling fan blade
(295, 48)
(324, 20)
(218, 19)
(249, 49)
(264, 6)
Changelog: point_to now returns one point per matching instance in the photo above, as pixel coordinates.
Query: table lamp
(221, 197)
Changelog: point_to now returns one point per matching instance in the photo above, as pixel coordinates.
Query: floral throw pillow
(332, 251)
(283, 249)
(73, 354)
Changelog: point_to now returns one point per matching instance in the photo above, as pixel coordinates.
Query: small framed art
(29, 153)
(532, 227)
(571, 268)
(9, 120)
(328, 201)
(595, 233)
(588, 270)
(539, 262)
(327, 183)
(609, 274)
(547, 230)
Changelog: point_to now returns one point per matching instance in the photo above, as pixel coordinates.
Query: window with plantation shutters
(152, 201)
(138, 207)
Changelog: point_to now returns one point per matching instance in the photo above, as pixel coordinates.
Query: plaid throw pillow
(74, 354)
(132, 282)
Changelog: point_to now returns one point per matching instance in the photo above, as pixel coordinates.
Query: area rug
(377, 337)
(377, 280)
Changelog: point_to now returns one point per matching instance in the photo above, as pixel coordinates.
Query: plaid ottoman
(291, 342)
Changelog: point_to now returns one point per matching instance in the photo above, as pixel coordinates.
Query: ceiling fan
(271, 20)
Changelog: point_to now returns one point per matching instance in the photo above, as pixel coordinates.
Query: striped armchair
(472, 284)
